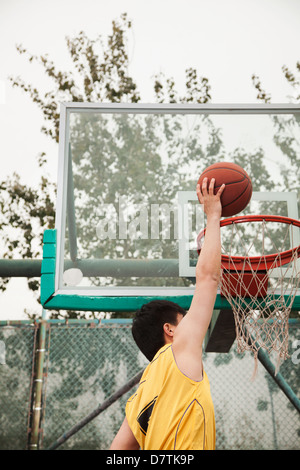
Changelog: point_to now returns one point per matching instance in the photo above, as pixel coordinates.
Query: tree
(101, 71)
(286, 132)
(101, 75)
(286, 128)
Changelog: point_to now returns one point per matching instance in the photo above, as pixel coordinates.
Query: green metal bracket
(108, 304)
(48, 267)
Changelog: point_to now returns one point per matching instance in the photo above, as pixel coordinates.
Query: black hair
(147, 326)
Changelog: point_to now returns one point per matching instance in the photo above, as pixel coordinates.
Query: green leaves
(162, 154)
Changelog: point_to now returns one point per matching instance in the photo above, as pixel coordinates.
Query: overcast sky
(225, 40)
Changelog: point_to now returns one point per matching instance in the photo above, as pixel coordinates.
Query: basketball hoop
(261, 283)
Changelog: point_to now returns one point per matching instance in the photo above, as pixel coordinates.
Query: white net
(260, 280)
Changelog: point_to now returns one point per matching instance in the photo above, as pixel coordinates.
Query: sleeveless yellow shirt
(170, 411)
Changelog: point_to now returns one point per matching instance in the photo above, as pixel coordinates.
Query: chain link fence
(87, 362)
(18, 345)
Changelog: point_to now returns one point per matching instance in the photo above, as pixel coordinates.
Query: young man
(172, 408)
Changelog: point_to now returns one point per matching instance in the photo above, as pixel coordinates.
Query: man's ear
(169, 330)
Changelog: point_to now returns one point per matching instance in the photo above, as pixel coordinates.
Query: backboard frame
(124, 298)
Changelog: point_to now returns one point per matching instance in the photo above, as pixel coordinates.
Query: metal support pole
(96, 267)
(38, 386)
(20, 267)
(282, 384)
(276, 376)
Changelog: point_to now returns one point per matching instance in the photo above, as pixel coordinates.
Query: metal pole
(276, 376)
(282, 384)
(96, 267)
(114, 397)
(20, 267)
(38, 386)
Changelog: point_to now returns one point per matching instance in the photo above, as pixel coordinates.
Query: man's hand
(209, 259)
(211, 202)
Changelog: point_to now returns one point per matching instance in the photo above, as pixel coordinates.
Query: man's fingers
(211, 186)
(199, 194)
(207, 188)
(204, 187)
(221, 189)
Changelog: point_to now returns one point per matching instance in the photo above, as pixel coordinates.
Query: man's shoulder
(162, 352)
(161, 359)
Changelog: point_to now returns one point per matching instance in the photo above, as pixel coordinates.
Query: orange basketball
(238, 190)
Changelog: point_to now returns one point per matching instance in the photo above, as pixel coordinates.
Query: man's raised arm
(190, 333)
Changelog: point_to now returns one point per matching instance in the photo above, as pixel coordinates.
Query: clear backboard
(127, 212)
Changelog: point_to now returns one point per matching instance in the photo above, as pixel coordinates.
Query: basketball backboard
(127, 212)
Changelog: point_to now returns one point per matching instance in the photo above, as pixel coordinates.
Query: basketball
(238, 190)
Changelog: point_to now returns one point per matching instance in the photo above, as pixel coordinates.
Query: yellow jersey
(170, 411)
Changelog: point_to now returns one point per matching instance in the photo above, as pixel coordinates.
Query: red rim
(258, 263)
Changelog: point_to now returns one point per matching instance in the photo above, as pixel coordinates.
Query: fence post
(38, 386)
